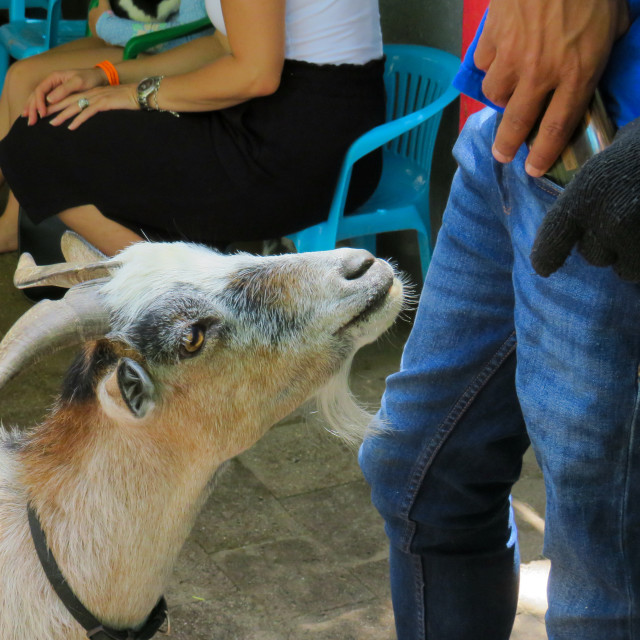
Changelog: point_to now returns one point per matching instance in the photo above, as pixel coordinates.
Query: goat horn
(29, 274)
(52, 325)
(77, 250)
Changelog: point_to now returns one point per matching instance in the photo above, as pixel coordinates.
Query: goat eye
(193, 339)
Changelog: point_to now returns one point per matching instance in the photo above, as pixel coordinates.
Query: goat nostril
(357, 265)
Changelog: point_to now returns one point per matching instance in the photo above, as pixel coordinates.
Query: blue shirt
(118, 31)
(620, 83)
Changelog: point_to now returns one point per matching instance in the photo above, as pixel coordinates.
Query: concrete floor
(289, 547)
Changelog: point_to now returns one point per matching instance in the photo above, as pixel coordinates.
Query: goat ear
(136, 387)
(83, 262)
(76, 249)
(29, 274)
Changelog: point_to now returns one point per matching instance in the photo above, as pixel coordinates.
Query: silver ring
(83, 103)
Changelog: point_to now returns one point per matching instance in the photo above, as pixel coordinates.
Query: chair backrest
(17, 13)
(415, 76)
(18, 9)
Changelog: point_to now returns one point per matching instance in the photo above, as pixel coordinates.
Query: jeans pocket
(547, 186)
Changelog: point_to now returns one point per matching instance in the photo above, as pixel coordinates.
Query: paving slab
(293, 576)
(235, 617)
(297, 457)
(371, 622)
(240, 512)
(344, 519)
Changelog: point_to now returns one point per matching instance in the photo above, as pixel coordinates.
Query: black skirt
(261, 169)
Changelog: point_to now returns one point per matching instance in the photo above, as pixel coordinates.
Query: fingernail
(500, 157)
(534, 172)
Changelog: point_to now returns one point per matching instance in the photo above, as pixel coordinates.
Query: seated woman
(267, 107)
(111, 33)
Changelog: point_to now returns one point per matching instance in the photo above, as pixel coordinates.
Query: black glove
(599, 210)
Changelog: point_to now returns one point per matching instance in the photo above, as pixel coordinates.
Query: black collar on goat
(95, 630)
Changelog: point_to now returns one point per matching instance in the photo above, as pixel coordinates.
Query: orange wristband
(110, 71)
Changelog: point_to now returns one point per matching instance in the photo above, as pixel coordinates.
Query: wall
(436, 23)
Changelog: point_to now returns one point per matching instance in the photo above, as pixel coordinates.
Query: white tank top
(324, 31)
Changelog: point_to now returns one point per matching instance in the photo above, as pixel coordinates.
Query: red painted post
(472, 13)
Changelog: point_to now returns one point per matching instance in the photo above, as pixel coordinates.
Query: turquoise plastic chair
(418, 83)
(22, 37)
(42, 4)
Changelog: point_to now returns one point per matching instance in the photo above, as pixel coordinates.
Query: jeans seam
(458, 410)
(419, 594)
(553, 190)
(623, 511)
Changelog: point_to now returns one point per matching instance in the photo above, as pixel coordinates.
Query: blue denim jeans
(500, 358)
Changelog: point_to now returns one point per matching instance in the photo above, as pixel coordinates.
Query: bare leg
(106, 235)
(23, 76)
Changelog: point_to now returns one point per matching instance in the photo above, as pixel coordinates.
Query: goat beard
(346, 418)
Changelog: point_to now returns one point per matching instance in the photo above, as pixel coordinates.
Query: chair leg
(310, 240)
(4, 65)
(364, 242)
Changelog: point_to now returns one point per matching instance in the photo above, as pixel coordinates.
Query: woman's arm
(199, 77)
(59, 87)
(193, 55)
(255, 32)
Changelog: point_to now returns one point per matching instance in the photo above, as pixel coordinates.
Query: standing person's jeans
(496, 346)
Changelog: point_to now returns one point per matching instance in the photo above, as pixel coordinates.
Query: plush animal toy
(145, 10)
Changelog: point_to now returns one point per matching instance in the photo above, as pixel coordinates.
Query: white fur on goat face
(301, 289)
(277, 329)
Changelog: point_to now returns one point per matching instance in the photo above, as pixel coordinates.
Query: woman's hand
(100, 99)
(95, 13)
(56, 87)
